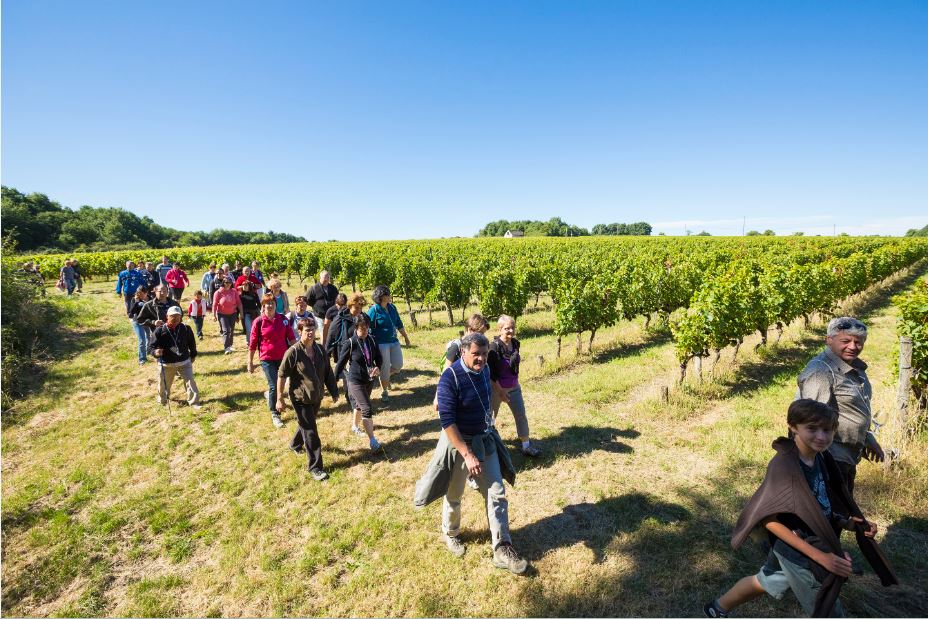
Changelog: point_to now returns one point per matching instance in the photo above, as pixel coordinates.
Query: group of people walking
(828, 424)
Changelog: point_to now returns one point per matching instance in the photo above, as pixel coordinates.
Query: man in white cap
(175, 347)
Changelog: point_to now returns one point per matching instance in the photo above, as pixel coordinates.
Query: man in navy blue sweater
(470, 450)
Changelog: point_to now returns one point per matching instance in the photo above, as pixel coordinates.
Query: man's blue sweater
(464, 399)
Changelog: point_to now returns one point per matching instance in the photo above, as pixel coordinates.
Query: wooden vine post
(905, 382)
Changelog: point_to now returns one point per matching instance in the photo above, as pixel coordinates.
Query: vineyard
(711, 292)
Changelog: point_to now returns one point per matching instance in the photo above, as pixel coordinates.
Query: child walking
(803, 504)
(197, 310)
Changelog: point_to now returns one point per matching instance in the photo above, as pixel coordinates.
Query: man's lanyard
(487, 413)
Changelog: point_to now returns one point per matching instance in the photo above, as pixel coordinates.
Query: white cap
(175, 310)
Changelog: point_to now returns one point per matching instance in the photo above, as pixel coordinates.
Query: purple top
(507, 379)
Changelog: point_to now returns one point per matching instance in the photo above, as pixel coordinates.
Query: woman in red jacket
(271, 336)
(177, 280)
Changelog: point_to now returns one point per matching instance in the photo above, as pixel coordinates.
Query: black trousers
(849, 472)
(307, 436)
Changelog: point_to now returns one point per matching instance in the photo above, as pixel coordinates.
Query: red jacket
(176, 278)
(255, 282)
(271, 338)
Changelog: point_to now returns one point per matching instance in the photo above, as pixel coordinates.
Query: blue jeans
(70, 283)
(271, 368)
(247, 319)
(141, 332)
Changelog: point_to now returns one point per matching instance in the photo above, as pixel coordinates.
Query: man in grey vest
(838, 377)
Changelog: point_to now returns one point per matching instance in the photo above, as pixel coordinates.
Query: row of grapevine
(732, 286)
(750, 295)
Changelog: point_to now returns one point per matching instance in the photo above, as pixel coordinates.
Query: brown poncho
(785, 491)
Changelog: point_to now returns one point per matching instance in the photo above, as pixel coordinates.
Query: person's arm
(286, 302)
(154, 346)
(815, 383)
(119, 284)
(830, 561)
(286, 367)
(216, 305)
(191, 344)
(253, 343)
(238, 302)
(330, 383)
(872, 450)
(344, 352)
(325, 331)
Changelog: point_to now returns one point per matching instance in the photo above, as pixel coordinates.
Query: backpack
(336, 335)
(444, 357)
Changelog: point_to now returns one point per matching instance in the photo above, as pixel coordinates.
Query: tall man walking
(470, 450)
(321, 297)
(175, 347)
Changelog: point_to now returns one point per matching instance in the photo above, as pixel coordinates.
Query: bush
(25, 317)
(913, 322)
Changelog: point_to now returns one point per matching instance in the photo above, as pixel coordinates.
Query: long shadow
(621, 351)
(571, 442)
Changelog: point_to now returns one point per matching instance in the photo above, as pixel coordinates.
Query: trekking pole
(164, 383)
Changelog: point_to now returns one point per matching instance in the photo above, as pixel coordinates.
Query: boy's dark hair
(811, 411)
(362, 320)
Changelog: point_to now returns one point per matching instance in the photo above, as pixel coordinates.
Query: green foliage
(636, 229)
(36, 223)
(553, 227)
(918, 231)
(913, 322)
(503, 291)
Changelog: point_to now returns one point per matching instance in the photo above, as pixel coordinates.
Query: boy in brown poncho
(803, 504)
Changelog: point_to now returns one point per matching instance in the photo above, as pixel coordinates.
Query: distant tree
(640, 228)
(703, 233)
(917, 232)
(799, 233)
(752, 233)
(769, 232)
(553, 227)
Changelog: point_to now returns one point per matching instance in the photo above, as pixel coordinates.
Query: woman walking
(177, 279)
(251, 307)
(385, 322)
(503, 360)
(307, 367)
(280, 297)
(362, 356)
(227, 305)
(141, 331)
(271, 335)
(301, 312)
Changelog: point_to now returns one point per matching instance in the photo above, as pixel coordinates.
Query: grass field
(113, 505)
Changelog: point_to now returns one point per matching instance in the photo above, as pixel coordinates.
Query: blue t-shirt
(384, 323)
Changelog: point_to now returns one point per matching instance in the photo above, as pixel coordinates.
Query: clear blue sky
(383, 120)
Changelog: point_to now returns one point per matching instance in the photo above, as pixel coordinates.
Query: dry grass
(113, 506)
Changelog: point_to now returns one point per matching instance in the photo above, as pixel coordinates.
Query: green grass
(113, 505)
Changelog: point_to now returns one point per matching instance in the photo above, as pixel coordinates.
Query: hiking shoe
(228, 350)
(712, 609)
(505, 557)
(358, 431)
(385, 396)
(531, 451)
(375, 444)
(319, 474)
(277, 421)
(454, 544)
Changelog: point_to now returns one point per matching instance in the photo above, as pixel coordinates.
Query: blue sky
(389, 120)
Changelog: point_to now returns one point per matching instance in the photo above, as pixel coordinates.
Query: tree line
(558, 227)
(38, 224)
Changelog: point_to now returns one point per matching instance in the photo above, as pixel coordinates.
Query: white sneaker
(277, 421)
(358, 431)
(228, 350)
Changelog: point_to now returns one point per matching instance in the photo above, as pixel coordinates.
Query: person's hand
(408, 343)
(281, 405)
(375, 372)
(835, 564)
(473, 464)
(251, 368)
(504, 396)
(873, 451)
(158, 352)
(158, 323)
(859, 524)
(215, 318)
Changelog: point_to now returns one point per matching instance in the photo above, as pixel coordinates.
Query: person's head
(324, 278)
(176, 266)
(476, 324)
(381, 295)
(274, 286)
(356, 303)
(141, 293)
(226, 282)
(130, 264)
(507, 327)
(362, 325)
(268, 305)
(212, 268)
(246, 271)
(225, 267)
(67, 262)
(198, 295)
(161, 292)
(846, 337)
(300, 303)
(245, 286)
(164, 259)
(474, 350)
(306, 327)
(341, 299)
(254, 265)
(150, 266)
(238, 264)
(175, 314)
(812, 424)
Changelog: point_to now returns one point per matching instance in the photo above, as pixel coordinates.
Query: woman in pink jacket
(271, 336)
(177, 280)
